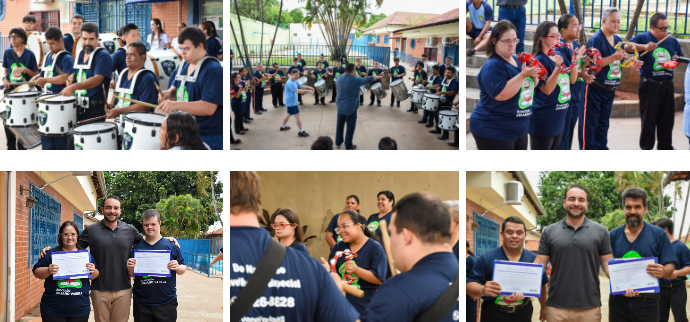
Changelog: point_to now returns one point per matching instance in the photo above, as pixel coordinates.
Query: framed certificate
(71, 265)
(152, 263)
(632, 274)
(517, 277)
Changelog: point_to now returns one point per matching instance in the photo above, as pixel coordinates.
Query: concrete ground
(199, 298)
(624, 134)
(373, 123)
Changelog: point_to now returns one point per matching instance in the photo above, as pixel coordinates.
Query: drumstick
(142, 103)
(660, 41)
(91, 119)
(353, 291)
(159, 89)
(387, 245)
(45, 98)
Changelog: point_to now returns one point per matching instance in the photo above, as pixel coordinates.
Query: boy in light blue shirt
(292, 89)
(478, 23)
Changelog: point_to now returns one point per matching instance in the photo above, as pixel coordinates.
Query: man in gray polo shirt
(575, 246)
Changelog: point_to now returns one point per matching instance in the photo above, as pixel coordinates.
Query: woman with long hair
(351, 203)
(552, 95)
(66, 306)
(238, 92)
(179, 131)
(158, 39)
(213, 47)
(214, 32)
(470, 303)
(288, 231)
(366, 271)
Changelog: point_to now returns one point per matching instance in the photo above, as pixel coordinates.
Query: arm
(605, 263)
(199, 108)
(367, 275)
(93, 270)
(552, 81)
(512, 87)
(668, 269)
(90, 83)
(542, 259)
(58, 80)
(130, 267)
(329, 239)
(487, 25)
(218, 258)
(42, 273)
(573, 74)
(681, 272)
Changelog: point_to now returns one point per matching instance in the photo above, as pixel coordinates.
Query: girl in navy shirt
(237, 103)
(501, 118)
(288, 231)
(213, 47)
(68, 299)
(552, 97)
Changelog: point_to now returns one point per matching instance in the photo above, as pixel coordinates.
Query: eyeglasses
(69, 235)
(661, 28)
(280, 226)
(342, 228)
(556, 36)
(575, 26)
(509, 42)
(13, 37)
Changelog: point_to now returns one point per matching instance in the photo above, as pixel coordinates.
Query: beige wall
(312, 194)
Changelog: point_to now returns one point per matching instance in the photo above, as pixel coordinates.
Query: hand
(542, 315)
(39, 81)
(173, 240)
(530, 71)
(478, 40)
(656, 270)
(350, 267)
(165, 96)
(173, 265)
(638, 64)
(581, 52)
(19, 71)
(69, 90)
(620, 54)
(91, 267)
(588, 78)
(673, 275)
(112, 84)
(558, 60)
(339, 282)
(167, 106)
(71, 79)
(378, 77)
(650, 46)
(492, 289)
(131, 263)
(53, 269)
(6, 82)
(43, 252)
(518, 296)
(631, 293)
(325, 264)
(113, 112)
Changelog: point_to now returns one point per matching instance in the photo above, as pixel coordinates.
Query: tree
(633, 23)
(280, 13)
(296, 15)
(182, 217)
(577, 6)
(613, 219)
(563, 7)
(652, 183)
(247, 63)
(373, 19)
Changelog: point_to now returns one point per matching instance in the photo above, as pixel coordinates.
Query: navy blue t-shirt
(277, 76)
(323, 63)
(293, 67)
(502, 120)
(259, 75)
(213, 47)
(373, 223)
(653, 66)
(437, 79)
(66, 64)
(156, 290)
(299, 246)
(68, 298)
(548, 111)
(483, 271)
(568, 60)
(238, 100)
(101, 64)
(301, 290)
(145, 90)
(206, 88)
(69, 42)
(302, 63)
(418, 77)
(395, 71)
(332, 226)
(469, 303)
(319, 73)
(652, 242)
(338, 71)
(27, 59)
(609, 75)
(407, 295)
(375, 72)
(456, 250)
(682, 260)
(359, 71)
(119, 59)
(370, 257)
(449, 85)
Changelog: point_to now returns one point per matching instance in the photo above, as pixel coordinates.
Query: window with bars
(378, 39)
(46, 19)
(486, 237)
(79, 220)
(44, 221)
(385, 40)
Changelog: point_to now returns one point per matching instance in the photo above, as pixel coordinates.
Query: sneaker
(263, 110)
(275, 106)
(257, 113)
(429, 125)
(410, 110)
(371, 104)
(360, 103)
(422, 121)
(284, 128)
(416, 111)
(281, 105)
(246, 122)
(302, 134)
(443, 137)
(379, 104)
(316, 103)
(250, 118)
(470, 52)
(300, 103)
(398, 104)
(331, 101)
(353, 147)
(435, 131)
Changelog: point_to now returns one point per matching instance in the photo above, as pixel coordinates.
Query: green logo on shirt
(526, 93)
(614, 70)
(632, 254)
(507, 301)
(564, 85)
(76, 283)
(661, 55)
(183, 96)
(341, 270)
(14, 78)
(81, 77)
(123, 103)
(373, 226)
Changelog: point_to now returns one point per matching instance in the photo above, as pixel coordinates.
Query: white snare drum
(302, 80)
(141, 131)
(418, 95)
(36, 42)
(163, 63)
(447, 120)
(430, 102)
(399, 89)
(20, 111)
(378, 91)
(110, 41)
(95, 136)
(321, 87)
(363, 89)
(57, 115)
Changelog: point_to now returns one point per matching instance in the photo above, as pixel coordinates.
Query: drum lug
(33, 117)
(112, 135)
(10, 102)
(25, 121)
(98, 139)
(23, 102)
(62, 107)
(62, 129)
(69, 124)
(134, 129)
(47, 107)
(81, 139)
(153, 133)
(47, 128)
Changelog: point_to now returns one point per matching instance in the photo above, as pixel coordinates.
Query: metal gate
(45, 222)
(140, 15)
(486, 237)
(111, 15)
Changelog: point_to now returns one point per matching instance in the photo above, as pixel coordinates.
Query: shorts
(292, 110)
(474, 33)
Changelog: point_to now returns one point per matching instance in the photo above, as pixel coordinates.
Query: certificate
(517, 277)
(71, 265)
(152, 263)
(632, 274)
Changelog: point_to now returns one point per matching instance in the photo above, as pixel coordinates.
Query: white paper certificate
(71, 265)
(152, 262)
(632, 274)
(517, 277)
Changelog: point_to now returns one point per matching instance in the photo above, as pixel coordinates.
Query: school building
(380, 32)
(33, 205)
(486, 208)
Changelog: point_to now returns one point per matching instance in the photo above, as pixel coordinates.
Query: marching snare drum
(36, 41)
(399, 89)
(110, 41)
(302, 81)
(430, 102)
(321, 87)
(163, 63)
(20, 111)
(378, 91)
(95, 136)
(447, 120)
(418, 95)
(141, 131)
(57, 115)
(363, 89)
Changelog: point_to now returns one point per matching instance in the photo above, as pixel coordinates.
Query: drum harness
(53, 65)
(130, 90)
(83, 101)
(191, 78)
(444, 86)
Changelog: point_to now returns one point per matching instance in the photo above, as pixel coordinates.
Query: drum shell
(302, 81)
(20, 111)
(57, 116)
(111, 42)
(141, 131)
(430, 102)
(163, 63)
(36, 42)
(418, 95)
(321, 87)
(447, 120)
(399, 89)
(379, 91)
(362, 90)
(95, 136)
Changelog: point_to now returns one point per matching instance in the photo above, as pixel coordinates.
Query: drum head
(375, 87)
(419, 90)
(21, 93)
(142, 118)
(395, 83)
(59, 99)
(431, 96)
(448, 113)
(302, 80)
(320, 83)
(33, 43)
(94, 128)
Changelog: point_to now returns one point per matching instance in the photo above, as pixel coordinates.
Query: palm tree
(564, 8)
(677, 194)
(280, 13)
(246, 63)
(204, 180)
(685, 211)
(649, 180)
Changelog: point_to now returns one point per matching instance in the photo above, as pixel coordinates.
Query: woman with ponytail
(368, 270)
(158, 39)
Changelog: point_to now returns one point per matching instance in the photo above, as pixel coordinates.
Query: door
(431, 54)
(486, 237)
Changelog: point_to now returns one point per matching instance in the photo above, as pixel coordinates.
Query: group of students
(515, 102)
(193, 89)
(420, 247)
(576, 248)
(110, 290)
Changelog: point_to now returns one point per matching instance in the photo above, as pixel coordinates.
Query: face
(294, 76)
(287, 231)
(575, 202)
(69, 236)
(552, 37)
(132, 36)
(321, 57)
(238, 78)
(397, 250)
(659, 31)
(351, 204)
(338, 64)
(154, 26)
(634, 211)
(133, 60)
(612, 23)
(76, 26)
(384, 204)
(359, 62)
(299, 57)
(259, 67)
(206, 32)
(573, 30)
(152, 226)
(275, 67)
(243, 72)
(376, 65)
(189, 51)
(29, 25)
(397, 63)
(347, 228)
(16, 40)
(513, 236)
(449, 74)
(55, 46)
(163, 132)
(294, 63)
(111, 210)
(90, 41)
(448, 60)
(319, 66)
(180, 27)
(502, 48)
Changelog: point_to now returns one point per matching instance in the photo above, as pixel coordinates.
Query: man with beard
(637, 239)
(673, 293)
(497, 307)
(575, 246)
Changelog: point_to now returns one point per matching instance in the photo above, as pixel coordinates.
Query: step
(471, 77)
(471, 99)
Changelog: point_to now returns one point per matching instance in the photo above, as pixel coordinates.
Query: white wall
(300, 35)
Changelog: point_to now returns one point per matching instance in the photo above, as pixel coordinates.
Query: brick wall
(472, 206)
(167, 13)
(15, 10)
(28, 289)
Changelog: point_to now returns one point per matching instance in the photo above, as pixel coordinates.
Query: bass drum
(36, 42)
(110, 41)
(163, 63)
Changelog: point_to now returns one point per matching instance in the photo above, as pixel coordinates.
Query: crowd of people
(422, 231)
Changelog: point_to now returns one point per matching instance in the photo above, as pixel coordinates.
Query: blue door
(45, 222)
(486, 237)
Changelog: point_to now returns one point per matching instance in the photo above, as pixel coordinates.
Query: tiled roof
(401, 18)
(448, 17)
